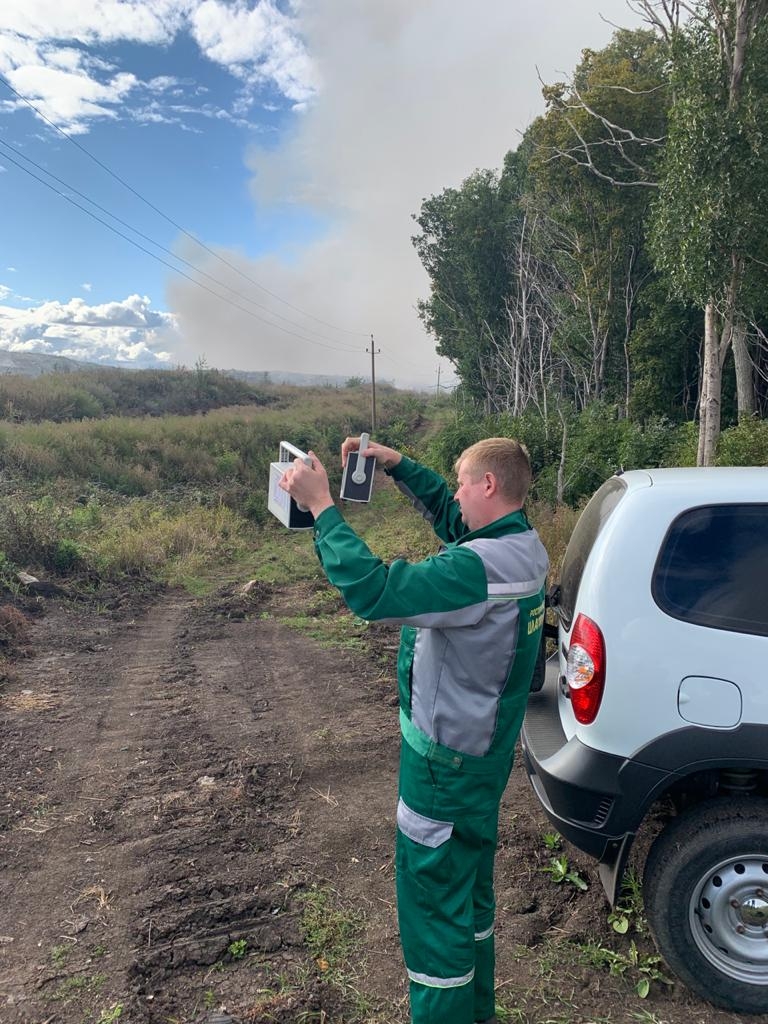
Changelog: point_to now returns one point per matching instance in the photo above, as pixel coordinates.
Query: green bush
(30, 531)
(745, 444)
(66, 556)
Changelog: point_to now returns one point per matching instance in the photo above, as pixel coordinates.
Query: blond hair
(507, 459)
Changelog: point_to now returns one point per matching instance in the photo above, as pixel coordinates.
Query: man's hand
(386, 457)
(308, 485)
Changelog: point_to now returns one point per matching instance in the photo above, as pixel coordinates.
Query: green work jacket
(471, 616)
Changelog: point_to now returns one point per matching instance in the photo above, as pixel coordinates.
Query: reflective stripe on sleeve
(514, 591)
(432, 982)
(481, 936)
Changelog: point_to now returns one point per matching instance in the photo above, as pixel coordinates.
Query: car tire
(705, 890)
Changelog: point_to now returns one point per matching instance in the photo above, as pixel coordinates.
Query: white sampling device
(357, 481)
(279, 502)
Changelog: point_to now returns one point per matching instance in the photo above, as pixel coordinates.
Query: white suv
(659, 691)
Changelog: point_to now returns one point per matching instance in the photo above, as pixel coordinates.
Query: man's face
(470, 496)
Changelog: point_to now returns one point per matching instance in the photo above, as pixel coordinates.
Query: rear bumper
(595, 800)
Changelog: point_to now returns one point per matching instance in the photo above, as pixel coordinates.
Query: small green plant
(111, 1015)
(237, 949)
(59, 954)
(560, 871)
(552, 840)
(209, 999)
(641, 968)
(629, 907)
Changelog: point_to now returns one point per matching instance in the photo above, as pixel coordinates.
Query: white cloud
(16, 51)
(94, 21)
(162, 83)
(128, 332)
(259, 45)
(5, 291)
(70, 98)
(86, 286)
(43, 57)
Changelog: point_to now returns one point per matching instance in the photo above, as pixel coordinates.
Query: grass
(179, 499)
(329, 930)
(342, 631)
(640, 969)
(60, 954)
(114, 1013)
(78, 985)
(628, 911)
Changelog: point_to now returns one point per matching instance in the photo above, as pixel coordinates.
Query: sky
(235, 180)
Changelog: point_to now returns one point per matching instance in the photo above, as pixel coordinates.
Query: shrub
(66, 556)
(745, 444)
(30, 531)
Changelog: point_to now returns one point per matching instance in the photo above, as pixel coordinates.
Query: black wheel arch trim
(574, 779)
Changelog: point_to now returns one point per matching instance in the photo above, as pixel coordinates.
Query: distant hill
(288, 377)
(34, 364)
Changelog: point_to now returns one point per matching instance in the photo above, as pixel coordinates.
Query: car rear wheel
(706, 898)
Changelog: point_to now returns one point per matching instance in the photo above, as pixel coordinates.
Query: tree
(708, 230)
(464, 242)
(710, 226)
(535, 273)
(593, 228)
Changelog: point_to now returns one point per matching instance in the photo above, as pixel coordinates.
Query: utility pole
(437, 388)
(374, 352)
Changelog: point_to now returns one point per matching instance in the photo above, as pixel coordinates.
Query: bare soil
(177, 776)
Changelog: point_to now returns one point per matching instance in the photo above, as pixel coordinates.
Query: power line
(170, 266)
(399, 360)
(170, 220)
(152, 241)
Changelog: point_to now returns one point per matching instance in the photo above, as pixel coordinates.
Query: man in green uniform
(472, 618)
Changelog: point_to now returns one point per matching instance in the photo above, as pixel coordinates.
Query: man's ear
(490, 485)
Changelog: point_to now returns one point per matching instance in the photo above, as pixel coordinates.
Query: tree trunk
(711, 387)
(745, 389)
(560, 496)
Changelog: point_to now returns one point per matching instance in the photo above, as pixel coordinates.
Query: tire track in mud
(174, 781)
(117, 844)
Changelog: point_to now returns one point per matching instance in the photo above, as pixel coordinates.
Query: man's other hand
(308, 485)
(386, 457)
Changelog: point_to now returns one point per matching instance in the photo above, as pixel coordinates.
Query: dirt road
(179, 783)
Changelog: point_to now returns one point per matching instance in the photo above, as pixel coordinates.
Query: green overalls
(472, 618)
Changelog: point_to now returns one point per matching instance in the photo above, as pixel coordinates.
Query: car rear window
(591, 522)
(713, 568)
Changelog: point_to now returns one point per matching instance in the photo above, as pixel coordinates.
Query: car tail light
(585, 669)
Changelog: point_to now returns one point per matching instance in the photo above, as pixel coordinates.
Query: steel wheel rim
(728, 916)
